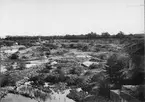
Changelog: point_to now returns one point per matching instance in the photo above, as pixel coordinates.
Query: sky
(60, 17)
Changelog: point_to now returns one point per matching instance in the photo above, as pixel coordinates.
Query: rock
(28, 83)
(79, 89)
(53, 63)
(46, 84)
(87, 63)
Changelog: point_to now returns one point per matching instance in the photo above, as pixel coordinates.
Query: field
(72, 70)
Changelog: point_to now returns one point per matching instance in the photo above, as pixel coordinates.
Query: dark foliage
(136, 51)
(77, 96)
(37, 80)
(14, 56)
(115, 64)
(6, 80)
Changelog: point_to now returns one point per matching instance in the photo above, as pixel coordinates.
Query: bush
(56, 76)
(77, 96)
(9, 67)
(100, 84)
(6, 80)
(115, 64)
(14, 56)
(71, 80)
(135, 49)
(77, 71)
(21, 66)
(140, 92)
(83, 47)
(104, 89)
(93, 66)
(50, 45)
(74, 80)
(45, 70)
(88, 73)
(37, 80)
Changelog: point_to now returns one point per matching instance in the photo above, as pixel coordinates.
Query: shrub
(50, 45)
(100, 84)
(115, 64)
(21, 66)
(93, 66)
(45, 70)
(85, 48)
(6, 80)
(104, 89)
(140, 92)
(9, 67)
(56, 76)
(37, 80)
(88, 73)
(135, 49)
(71, 80)
(74, 80)
(14, 56)
(77, 96)
(75, 70)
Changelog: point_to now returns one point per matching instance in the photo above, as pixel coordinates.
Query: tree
(120, 35)
(105, 35)
(91, 35)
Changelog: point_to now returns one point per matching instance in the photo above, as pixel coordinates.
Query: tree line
(90, 35)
